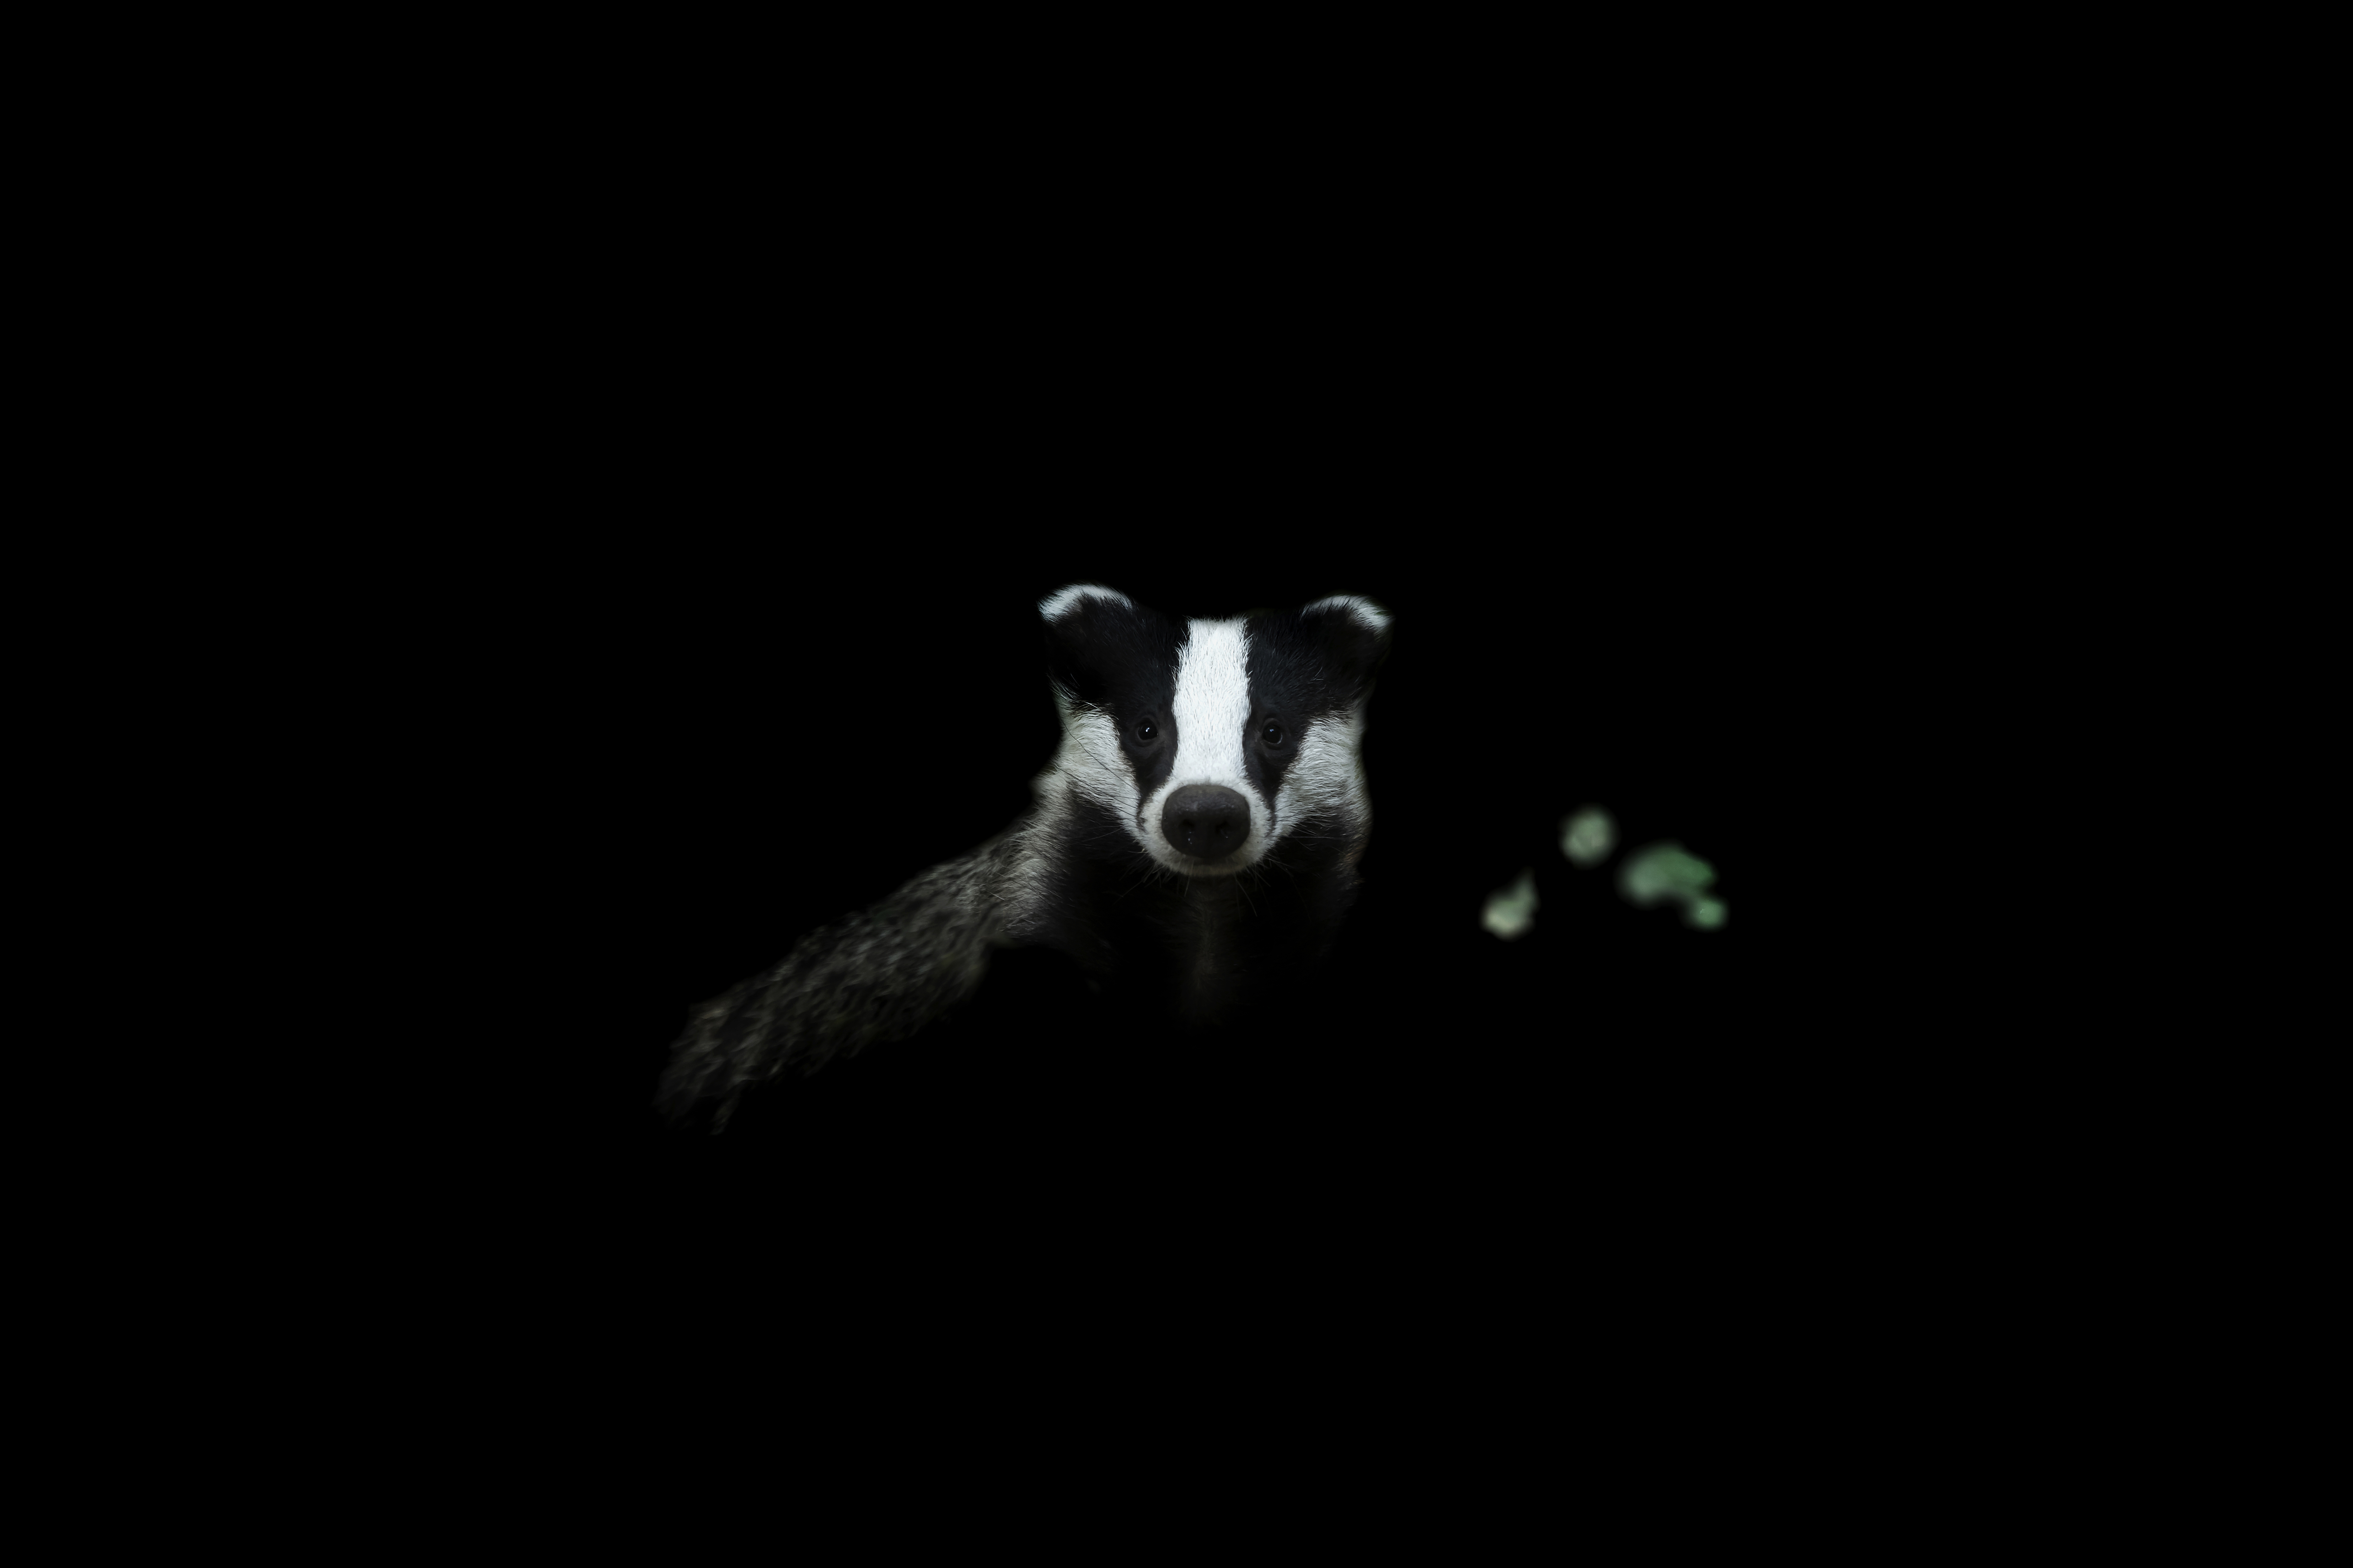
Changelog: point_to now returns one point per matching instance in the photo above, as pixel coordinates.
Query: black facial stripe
(1305, 667)
(1151, 693)
(1288, 685)
(1122, 662)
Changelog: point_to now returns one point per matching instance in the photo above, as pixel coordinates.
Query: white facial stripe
(1327, 774)
(1213, 706)
(1212, 711)
(1088, 764)
(1090, 758)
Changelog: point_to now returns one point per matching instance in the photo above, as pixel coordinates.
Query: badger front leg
(879, 975)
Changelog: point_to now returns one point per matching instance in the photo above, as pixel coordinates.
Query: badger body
(1194, 842)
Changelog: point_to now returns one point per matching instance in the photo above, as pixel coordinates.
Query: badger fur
(1195, 840)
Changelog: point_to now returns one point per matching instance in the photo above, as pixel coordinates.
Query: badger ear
(1063, 602)
(1091, 632)
(1352, 634)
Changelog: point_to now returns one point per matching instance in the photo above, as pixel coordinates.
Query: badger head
(1210, 741)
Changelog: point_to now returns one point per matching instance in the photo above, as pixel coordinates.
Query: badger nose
(1206, 821)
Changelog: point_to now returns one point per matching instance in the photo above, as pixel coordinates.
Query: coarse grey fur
(881, 974)
(1088, 870)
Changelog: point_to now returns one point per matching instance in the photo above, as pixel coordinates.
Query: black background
(732, 553)
(671, 500)
(692, 767)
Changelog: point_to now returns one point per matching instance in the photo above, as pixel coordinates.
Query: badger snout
(1208, 822)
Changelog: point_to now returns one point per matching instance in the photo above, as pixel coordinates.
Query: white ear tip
(1367, 614)
(1060, 603)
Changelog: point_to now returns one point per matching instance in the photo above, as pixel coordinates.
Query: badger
(1193, 842)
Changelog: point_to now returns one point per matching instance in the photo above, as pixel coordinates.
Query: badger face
(1210, 741)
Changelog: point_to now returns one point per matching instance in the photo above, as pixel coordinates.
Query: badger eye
(1273, 733)
(1147, 729)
